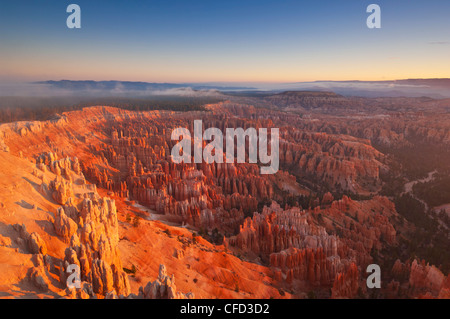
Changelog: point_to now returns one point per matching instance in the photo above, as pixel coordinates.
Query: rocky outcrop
(39, 274)
(296, 249)
(33, 242)
(61, 190)
(275, 230)
(307, 265)
(346, 284)
(423, 280)
(424, 277)
(343, 162)
(65, 226)
(163, 288)
(94, 246)
(36, 244)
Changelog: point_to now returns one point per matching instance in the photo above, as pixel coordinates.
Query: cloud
(31, 89)
(439, 43)
(187, 92)
(117, 90)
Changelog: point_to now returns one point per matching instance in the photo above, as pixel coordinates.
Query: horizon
(437, 88)
(218, 83)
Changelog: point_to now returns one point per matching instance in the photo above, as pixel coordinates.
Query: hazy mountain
(133, 86)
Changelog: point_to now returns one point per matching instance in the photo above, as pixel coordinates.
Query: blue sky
(224, 41)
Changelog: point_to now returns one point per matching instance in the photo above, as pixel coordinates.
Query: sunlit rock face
(97, 188)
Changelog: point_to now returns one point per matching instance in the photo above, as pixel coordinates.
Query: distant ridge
(308, 94)
(133, 86)
(434, 88)
(438, 82)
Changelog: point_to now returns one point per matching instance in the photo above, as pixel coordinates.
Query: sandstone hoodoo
(95, 199)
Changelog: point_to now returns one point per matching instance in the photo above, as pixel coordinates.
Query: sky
(224, 41)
